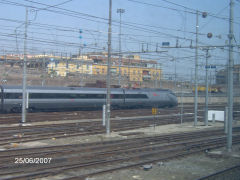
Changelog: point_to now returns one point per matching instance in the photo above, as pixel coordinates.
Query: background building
(221, 77)
(133, 68)
(86, 68)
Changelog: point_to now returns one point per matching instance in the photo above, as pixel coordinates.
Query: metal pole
(81, 61)
(119, 60)
(175, 73)
(44, 69)
(206, 91)
(196, 74)
(120, 11)
(104, 115)
(226, 121)
(81, 64)
(230, 80)
(181, 103)
(24, 71)
(108, 100)
(155, 84)
(191, 79)
(129, 73)
(160, 84)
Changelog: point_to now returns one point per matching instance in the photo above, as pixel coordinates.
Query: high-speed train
(66, 98)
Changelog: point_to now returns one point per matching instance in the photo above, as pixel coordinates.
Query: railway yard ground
(73, 145)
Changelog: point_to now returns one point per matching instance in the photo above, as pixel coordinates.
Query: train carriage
(66, 98)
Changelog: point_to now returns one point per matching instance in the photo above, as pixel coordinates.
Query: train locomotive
(68, 98)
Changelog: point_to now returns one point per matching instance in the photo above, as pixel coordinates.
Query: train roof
(78, 88)
(48, 87)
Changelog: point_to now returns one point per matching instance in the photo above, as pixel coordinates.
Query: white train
(69, 98)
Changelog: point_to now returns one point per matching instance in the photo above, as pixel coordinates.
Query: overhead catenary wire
(78, 12)
(14, 21)
(193, 11)
(133, 25)
(166, 47)
(150, 44)
(41, 3)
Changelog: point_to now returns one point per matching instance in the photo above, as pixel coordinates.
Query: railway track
(90, 159)
(76, 115)
(232, 173)
(83, 127)
(20, 134)
(80, 115)
(85, 160)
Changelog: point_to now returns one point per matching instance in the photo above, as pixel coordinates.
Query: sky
(65, 26)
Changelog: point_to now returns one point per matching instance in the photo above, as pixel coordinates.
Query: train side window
(65, 96)
(117, 96)
(95, 96)
(99, 96)
(72, 96)
(90, 96)
(81, 96)
(50, 96)
(136, 96)
(36, 96)
(13, 95)
(41, 96)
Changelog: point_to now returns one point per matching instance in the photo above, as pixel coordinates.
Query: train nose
(173, 100)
